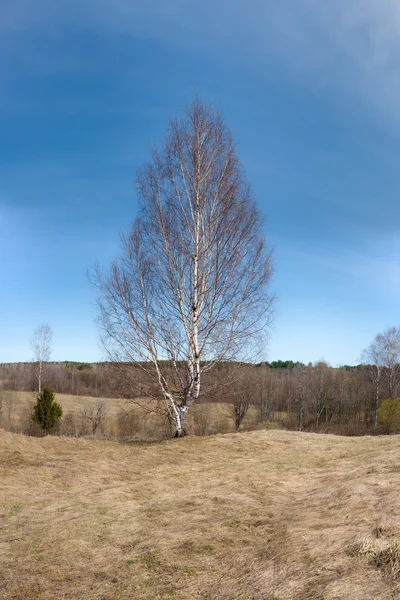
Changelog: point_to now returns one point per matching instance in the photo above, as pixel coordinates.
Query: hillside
(254, 516)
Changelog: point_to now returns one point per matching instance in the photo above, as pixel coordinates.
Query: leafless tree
(391, 358)
(240, 405)
(95, 414)
(41, 347)
(322, 392)
(374, 358)
(242, 395)
(302, 383)
(191, 285)
(263, 386)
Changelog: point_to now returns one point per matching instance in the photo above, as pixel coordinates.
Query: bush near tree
(389, 415)
(46, 411)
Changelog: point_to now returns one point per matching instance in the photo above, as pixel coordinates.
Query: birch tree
(374, 358)
(190, 287)
(41, 347)
(391, 357)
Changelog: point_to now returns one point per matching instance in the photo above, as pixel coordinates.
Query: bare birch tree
(190, 288)
(374, 358)
(392, 357)
(41, 347)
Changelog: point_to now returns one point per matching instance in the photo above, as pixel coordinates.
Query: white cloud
(351, 46)
(348, 45)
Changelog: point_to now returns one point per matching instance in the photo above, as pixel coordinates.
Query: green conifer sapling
(46, 411)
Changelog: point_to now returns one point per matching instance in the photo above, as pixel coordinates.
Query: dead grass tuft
(387, 560)
(382, 551)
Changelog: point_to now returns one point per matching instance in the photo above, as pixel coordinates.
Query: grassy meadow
(263, 515)
(122, 418)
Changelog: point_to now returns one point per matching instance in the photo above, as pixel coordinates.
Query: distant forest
(287, 394)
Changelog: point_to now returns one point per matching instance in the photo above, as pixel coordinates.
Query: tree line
(309, 397)
(66, 377)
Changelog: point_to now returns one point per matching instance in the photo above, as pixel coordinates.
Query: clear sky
(311, 93)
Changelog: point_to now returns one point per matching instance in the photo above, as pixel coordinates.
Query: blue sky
(310, 91)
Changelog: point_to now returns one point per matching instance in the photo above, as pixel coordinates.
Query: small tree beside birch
(41, 347)
(242, 395)
(190, 287)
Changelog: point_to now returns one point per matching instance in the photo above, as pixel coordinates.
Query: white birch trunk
(190, 287)
(40, 377)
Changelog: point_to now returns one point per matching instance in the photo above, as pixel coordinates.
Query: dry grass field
(22, 402)
(262, 515)
(203, 419)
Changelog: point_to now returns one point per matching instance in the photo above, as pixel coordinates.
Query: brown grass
(204, 419)
(266, 515)
(70, 404)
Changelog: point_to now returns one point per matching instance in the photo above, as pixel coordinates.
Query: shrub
(46, 412)
(69, 426)
(128, 422)
(389, 414)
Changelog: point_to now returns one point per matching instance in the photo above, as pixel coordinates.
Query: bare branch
(41, 347)
(190, 288)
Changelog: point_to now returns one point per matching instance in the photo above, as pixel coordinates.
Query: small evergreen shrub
(46, 411)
